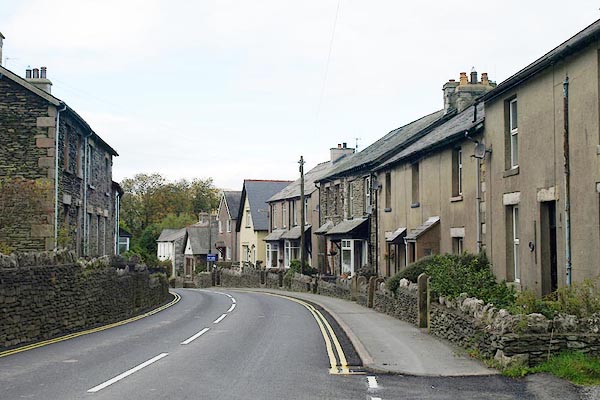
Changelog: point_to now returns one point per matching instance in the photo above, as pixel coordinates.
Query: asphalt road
(221, 345)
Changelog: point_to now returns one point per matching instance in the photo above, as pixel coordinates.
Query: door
(548, 247)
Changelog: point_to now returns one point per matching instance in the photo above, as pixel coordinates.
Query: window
(293, 213)
(272, 255)
(388, 191)
(228, 225)
(367, 187)
(514, 133)
(457, 245)
(89, 164)
(220, 227)
(291, 252)
(347, 257)
(350, 196)
(515, 243)
(97, 235)
(336, 197)
(306, 209)
(228, 253)
(328, 208)
(284, 215)
(457, 168)
(78, 156)
(248, 218)
(415, 185)
(66, 151)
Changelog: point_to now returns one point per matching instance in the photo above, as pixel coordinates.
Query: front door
(548, 247)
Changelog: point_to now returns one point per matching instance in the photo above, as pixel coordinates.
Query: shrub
(415, 269)
(527, 302)
(366, 271)
(307, 270)
(452, 275)
(393, 283)
(581, 298)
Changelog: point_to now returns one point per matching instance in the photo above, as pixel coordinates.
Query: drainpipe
(56, 136)
(117, 206)
(478, 203)
(567, 181)
(87, 162)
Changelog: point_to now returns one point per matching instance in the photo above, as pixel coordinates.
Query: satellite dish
(479, 151)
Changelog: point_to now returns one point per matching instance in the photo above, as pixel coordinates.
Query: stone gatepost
(423, 301)
(373, 283)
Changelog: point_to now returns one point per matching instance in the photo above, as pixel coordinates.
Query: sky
(234, 90)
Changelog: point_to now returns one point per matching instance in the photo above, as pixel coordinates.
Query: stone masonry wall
(57, 297)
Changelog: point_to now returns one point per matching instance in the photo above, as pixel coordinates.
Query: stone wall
(402, 306)
(47, 295)
(231, 278)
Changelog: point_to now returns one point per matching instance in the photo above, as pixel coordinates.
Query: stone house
(170, 245)
(201, 241)
(283, 241)
(62, 169)
(227, 239)
(428, 192)
(528, 117)
(253, 219)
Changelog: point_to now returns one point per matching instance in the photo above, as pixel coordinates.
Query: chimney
(340, 151)
(38, 78)
(1, 39)
(459, 96)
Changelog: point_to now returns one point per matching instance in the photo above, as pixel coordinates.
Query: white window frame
(350, 200)
(516, 243)
(291, 251)
(228, 253)
(306, 208)
(293, 213)
(284, 215)
(220, 227)
(459, 170)
(514, 133)
(229, 225)
(248, 218)
(367, 187)
(272, 249)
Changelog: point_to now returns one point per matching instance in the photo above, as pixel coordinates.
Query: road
(222, 345)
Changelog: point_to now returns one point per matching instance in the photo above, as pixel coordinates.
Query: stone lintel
(511, 199)
(457, 232)
(547, 194)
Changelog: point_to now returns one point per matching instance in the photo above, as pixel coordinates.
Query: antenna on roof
(356, 147)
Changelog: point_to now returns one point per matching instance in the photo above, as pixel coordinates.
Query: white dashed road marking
(231, 308)
(216, 321)
(372, 382)
(196, 336)
(127, 373)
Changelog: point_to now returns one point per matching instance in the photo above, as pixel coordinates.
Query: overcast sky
(240, 89)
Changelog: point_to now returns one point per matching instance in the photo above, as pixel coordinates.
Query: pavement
(388, 345)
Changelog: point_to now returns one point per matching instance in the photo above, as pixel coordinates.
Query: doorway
(548, 247)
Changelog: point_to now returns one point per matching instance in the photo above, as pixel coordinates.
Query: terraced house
(283, 241)
(55, 171)
(543, 177)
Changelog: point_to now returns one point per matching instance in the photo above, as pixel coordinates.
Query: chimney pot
(339, 145)
(36, 73)
(473, 76)
(344, 145)
(28, 73)
(43, 73)
(452, 80)
(463, 78)
(484, 78)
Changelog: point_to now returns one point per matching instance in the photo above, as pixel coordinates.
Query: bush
(527, 302)
(581, 298)
(366, 271)
(393, 283)
(415, 269)
(307, 270)
(452, 275)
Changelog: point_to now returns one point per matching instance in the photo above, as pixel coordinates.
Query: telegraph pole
(302, 217)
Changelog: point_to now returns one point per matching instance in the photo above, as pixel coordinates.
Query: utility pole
(566, 154)
(302, 217)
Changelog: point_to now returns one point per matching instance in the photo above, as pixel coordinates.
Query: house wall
(251, 238)
(28, 133)
(540, 126)
(435, 199)
(229, 238)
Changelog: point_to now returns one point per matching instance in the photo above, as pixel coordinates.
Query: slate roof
(346, 226)
(451, 130)
(258, 192)
(393, 237)
(54, 101)
(570, 46)
(294, 233)
(199, 239)
(232, 198)
(275, 235)
(319, 171)
(170, 235)
(386, 146)
(417, 232)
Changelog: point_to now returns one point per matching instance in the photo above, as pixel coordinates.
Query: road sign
(211, 257)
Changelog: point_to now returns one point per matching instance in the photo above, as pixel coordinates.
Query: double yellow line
(331, 340)
(98, 329)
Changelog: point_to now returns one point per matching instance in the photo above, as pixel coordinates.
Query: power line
(337, 11)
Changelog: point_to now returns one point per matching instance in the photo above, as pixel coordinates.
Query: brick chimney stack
(460, 95)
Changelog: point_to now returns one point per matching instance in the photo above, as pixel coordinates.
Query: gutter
(56, 137)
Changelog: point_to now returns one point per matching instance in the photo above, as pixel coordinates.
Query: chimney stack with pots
(38, 77)
(340, 151)
(459, 96)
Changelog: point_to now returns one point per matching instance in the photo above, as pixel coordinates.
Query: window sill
(388, 209)
(511, 172)
(454, 199)
(415, 205)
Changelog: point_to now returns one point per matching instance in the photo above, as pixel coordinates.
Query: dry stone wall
(45, 295)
